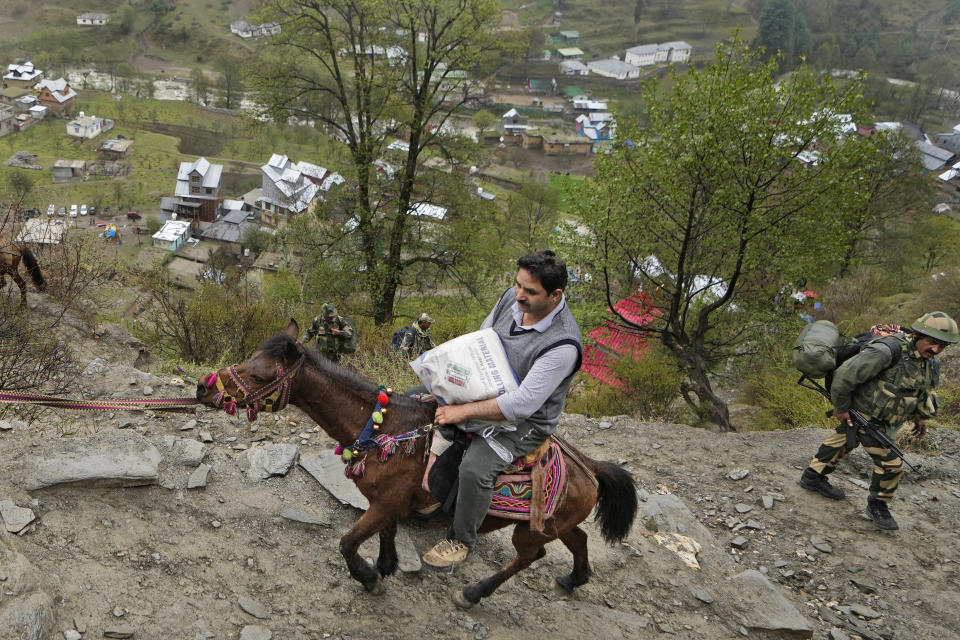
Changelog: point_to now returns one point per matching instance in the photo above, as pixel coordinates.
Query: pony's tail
(33, 268)
(616, 500)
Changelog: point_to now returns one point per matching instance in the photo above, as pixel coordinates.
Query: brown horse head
(262, 381)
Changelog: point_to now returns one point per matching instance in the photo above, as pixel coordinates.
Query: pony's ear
(293, 329)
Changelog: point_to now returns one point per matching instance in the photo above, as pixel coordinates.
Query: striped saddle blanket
(513, 492)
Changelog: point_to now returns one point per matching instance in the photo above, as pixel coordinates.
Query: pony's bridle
(271, 397)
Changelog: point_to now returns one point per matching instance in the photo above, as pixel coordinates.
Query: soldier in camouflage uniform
(888, 391)
(331, 330)
(417, 339)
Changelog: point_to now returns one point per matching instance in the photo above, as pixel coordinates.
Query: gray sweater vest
(523, 347)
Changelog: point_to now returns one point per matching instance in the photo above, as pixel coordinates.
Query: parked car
(73, 211)
(83, 209)
(62, 211)
(92, 210)
(52, 209)
(133, 215)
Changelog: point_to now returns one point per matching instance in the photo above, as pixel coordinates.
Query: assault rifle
(859, 421)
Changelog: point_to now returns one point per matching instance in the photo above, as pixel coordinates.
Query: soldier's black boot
(818, 482)
(878, 512)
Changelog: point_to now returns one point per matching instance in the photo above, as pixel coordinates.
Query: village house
(676, 51)
(288, 188)
(570, 53)
(426, 218)
(233, 225)
(22, 121)
(574, 68)
(115, 149)
(512, 125)
(934, 158)
(246, 30)
(598, 127)
(172, 235)
(7, 119)
(93, 19)
(68, 170)
(198, 190)
(647, 54)
(88, 127)
(23, 75)
(42, 232)
(554, 143)
(541, 85)
(614, 68)
(643, 55)
(583, 103)
(57, 96)
(949, 140)
(38, 112)
(11, 95)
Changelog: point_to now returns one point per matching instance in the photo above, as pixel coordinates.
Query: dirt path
(174, 563)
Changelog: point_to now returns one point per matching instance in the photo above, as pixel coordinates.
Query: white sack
(471, 367)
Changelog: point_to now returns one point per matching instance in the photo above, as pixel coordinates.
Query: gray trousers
(479, 470)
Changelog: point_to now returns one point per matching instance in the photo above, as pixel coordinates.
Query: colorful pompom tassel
(383, 398)
(338, 450)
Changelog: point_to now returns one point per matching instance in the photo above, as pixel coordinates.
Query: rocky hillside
(158, 526)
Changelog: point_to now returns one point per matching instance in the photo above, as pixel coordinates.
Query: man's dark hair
(545, 266)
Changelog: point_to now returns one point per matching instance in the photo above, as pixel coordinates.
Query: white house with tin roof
(22, 74)
(172, 234)
(614, 68)
(288, 188)
(92, 19)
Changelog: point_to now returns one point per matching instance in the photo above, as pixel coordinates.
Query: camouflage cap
(328, 310)
(937, 325)
(425, 318)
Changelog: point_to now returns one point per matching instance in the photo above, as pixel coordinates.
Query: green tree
(256, 240)
(20, 184)
(532, 215)
(199, 85)
(637, 11)
(124, 72)
(367, 70)
(483, 121)
(781, 29)
(734, 186)
(892, 186)
(231, 79)
(153, 224)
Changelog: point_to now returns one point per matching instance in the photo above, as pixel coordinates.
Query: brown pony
(341, 402)
(10, 255)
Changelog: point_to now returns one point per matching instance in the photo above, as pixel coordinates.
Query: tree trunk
(711, 406)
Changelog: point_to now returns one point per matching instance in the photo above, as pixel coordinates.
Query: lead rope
(175, 405)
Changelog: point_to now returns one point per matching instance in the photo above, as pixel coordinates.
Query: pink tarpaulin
(612, 341)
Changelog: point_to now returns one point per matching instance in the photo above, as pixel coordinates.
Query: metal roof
(210, 176)
(172, 230)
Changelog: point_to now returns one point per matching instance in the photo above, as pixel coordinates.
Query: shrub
(653, 387)
(783, 403)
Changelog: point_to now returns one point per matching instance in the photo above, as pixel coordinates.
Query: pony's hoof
(377, 589)
(563, 586)
(461, 600)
